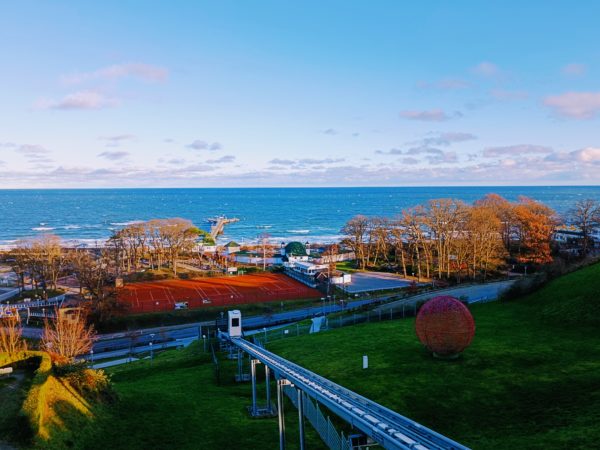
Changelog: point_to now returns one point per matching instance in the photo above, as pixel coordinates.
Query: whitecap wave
(72, 227)
(124, 224)
(42, 228)
(298, 231)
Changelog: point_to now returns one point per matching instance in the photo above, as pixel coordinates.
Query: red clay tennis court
(206, 292)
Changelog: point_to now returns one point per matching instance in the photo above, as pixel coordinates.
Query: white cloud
(115, 141)
(448, 138)
(140, 71)
(432, 115)
(410, 161)
(588, 154)
(203, 145)
(32, 150)
(91, 100)
(304, 162)
(501, 94)
(486, 69)
(574, 69)
(515, 150)
(222, 159)
(576, 105)
(113, 156)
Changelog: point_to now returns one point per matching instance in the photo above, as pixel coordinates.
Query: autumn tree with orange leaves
(535, 225)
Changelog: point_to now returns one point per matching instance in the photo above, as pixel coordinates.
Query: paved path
(118, 344)
(474, 293)
(116, 362)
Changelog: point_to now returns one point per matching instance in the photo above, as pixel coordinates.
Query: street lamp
(151, 354)
(92, 356)
(204, 339)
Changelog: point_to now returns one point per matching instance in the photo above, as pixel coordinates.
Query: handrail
(385, 426)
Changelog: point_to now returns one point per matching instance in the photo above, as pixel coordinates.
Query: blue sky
(202, 94)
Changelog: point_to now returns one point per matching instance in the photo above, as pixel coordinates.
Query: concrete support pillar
(253, 364)
(301, 417)
(268, 386)
(280, 413)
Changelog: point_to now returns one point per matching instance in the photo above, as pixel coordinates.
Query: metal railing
(54, 301)
(322, 425)
(381, 424)
(216, 364)
(334, 322)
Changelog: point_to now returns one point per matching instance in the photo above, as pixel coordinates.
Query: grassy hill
(529, 380)
(175, 403)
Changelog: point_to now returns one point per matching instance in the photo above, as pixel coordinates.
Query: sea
(89, 216)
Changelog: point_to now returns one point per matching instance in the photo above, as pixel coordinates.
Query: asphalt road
(118, 344)
(473, 293)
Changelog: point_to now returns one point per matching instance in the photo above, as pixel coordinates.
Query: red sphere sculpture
(445, 326)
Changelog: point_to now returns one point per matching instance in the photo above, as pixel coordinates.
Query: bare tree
(11, 341)
(95, 276)
(586, 215)
(355, 231)
(69, 335)
(41, 258)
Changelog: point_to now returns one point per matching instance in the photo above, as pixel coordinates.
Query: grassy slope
(176, 404)
(530, 380)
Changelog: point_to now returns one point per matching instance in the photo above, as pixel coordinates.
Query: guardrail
(321, 424)
(54, 301)
(9, 294)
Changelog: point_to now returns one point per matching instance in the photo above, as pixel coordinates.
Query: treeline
(447, 238)
(41, 261)
(160, 242)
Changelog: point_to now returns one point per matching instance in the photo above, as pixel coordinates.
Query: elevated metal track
(388, 428)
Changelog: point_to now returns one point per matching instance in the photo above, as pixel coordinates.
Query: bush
(525, 286)
(91, 384)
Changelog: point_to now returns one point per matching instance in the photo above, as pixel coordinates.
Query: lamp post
(204, 339)
(151, 348)
(92, 356)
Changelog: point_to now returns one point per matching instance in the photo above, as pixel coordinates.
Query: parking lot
(375, 281)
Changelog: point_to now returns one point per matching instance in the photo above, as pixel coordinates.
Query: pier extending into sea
(218, 224)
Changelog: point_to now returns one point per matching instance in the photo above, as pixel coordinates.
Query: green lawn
(13, 390)
(531, 378)
(176, 404)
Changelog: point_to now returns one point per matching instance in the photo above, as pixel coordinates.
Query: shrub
(92, 384)
(525, 286)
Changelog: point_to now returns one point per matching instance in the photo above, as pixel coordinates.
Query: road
(118, 344)
(473, 293)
